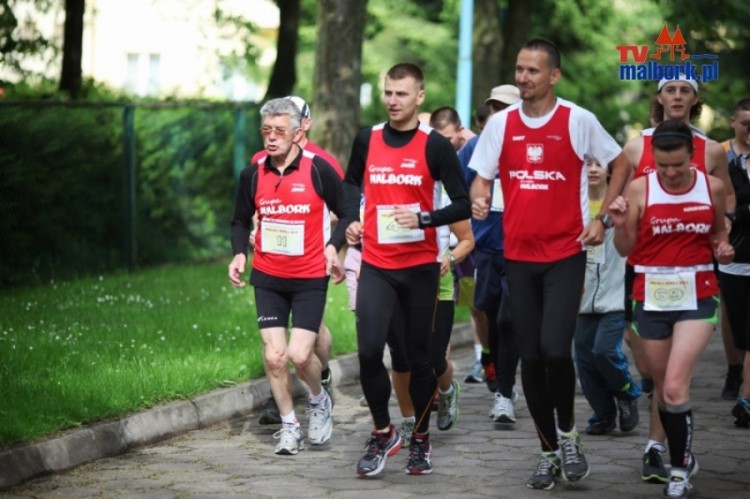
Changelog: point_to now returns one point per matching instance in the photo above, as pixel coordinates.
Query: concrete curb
(76, 447)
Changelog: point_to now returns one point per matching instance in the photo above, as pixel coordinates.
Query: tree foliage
(20, 37)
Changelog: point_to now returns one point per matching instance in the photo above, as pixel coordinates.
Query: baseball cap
(681, 77)
(507, 94)
(304, 109)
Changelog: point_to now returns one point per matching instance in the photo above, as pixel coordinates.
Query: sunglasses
(281, 133)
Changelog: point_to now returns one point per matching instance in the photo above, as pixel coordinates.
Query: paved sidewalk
(476, 458)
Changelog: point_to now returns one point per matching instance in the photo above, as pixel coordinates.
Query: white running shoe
(504, 410)
(320, 424)
(290, 440)
(496, 405)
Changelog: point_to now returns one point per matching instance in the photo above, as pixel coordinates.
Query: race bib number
(497, 203)
(595, 254)
(283, 238)
(390, 232)
(670, 292)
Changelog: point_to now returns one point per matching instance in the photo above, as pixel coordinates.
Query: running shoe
(420, 452)
(504, 410)
(654, 470)
(320, 424)
(574, 465)
(380, 446)
(475, 373)
(546, 471)
(496, 403)
(363, 401)
(448, 411)
(270, 414)
(679, 480)
(741, 413)
(290, 440)
(601, 426)
(327, 383)
(405, 431)
(628, 410)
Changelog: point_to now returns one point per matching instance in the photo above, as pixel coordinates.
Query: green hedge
(62, 187)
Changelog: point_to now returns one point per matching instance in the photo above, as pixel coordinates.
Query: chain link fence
(87, 188)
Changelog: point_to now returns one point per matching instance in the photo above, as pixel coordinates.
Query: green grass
(76, 352)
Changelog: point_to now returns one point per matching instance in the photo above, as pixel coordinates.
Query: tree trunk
(70, 78)
(488, 49)
(517, 26)
(338, 75)
(284, 74)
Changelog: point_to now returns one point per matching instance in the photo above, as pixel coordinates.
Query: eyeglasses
(281, 133)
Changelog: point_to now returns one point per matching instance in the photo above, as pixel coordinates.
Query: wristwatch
(606, 220)
(424, 219)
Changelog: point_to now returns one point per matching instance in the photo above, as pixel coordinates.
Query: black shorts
(276, 298)
(659, 325)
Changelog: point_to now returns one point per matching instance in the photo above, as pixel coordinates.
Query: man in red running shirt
(539, 146)
(398, 167)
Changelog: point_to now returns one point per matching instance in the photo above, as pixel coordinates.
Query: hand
(354, 233)
(723, 252)
(445, 265)
(334, 268)
(619, 210)
(406, 218)
(236, 269)
(480, 207)
(593, 234)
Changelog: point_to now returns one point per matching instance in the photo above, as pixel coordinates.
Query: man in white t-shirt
(538, 146)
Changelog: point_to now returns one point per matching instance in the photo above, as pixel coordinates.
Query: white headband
(682, 78)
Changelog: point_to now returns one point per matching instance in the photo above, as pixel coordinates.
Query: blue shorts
(489, 279)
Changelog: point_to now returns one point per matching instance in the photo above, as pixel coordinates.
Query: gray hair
(280, 107)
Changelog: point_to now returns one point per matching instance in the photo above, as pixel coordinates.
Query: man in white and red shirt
(398, 167)
(539, 146)
(293, 192)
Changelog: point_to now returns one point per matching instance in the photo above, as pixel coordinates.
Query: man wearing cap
(538, 146)
(499, 348)
(675, 99)
(324, 342)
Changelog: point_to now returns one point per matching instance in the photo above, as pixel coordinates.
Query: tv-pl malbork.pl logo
(644, 62)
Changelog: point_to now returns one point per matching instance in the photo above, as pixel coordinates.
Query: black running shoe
(420, 452)
(741, 413)
(380, 446)
(601, 427)
(654, 470)
(270, 414)
(546, 471)
(628, 414)
(574, 464)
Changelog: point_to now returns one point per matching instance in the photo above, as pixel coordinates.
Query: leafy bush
(62, 184)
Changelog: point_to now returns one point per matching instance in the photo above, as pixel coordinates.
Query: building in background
(168, 48)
